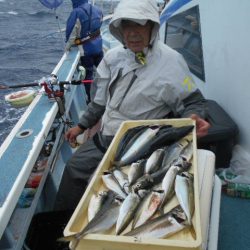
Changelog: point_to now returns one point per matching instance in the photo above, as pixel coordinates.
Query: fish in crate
(150, 167)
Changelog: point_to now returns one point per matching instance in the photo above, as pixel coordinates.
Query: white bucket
(21, 98)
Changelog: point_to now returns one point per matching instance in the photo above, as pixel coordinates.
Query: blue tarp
(171, 8)
(51, 4)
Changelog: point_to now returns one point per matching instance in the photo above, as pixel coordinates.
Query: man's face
(136, 36)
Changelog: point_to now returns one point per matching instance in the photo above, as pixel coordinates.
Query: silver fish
(187, 152)
(147, 181)
(184, 190)
(168, 136)
(127, 211)
(173, 152)
(127, 140)
(148, 207)
(95, 203)
(138, 148)
(162, 226)
(168, 184)
(154, 161)
(112, 184)
(105, 218)
(122, 179)
(136, 170)
(144, 182)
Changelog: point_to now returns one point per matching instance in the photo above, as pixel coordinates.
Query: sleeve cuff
(81, 126)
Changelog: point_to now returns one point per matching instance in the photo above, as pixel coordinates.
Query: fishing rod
(52, 80)
(50, 86)
(35, 84)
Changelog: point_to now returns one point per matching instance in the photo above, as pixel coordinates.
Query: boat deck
(234, 226)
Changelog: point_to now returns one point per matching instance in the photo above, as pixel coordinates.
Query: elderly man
(143, 79)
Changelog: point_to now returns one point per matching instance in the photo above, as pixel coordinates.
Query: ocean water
(31, 44)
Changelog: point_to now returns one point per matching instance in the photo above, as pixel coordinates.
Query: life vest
(90, 18)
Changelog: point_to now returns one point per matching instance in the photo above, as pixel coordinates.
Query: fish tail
(65, 239)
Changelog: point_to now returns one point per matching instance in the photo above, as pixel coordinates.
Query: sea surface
(31, 44)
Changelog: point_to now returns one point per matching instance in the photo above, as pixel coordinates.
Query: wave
(10, 115)
(34, 41)
(41, 13)
(11, 12)
(8, 120)
(38, 14)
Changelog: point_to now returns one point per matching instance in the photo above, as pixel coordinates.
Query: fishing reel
(52, 87)
(55, 91)
(55, 88)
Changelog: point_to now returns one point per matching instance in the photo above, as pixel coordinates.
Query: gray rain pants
(78, 171)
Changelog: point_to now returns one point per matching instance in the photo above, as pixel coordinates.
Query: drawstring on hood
(139, 11)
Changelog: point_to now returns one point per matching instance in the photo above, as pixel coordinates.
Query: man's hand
(202, 126)
(72, 133)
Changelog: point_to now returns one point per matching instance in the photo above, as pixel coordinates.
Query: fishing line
(60, 30)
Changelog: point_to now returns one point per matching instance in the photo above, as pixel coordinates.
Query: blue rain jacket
(89, 18)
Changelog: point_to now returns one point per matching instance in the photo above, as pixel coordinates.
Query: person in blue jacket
(83, 29)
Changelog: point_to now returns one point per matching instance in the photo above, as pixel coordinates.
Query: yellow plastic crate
(185, 239)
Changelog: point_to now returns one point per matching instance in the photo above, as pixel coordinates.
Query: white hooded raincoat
(128, 90)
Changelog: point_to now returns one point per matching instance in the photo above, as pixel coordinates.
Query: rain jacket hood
(139, 11)
(77, 3)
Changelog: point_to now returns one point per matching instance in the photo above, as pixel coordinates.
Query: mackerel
(173, 152)
(168, 184)
(168, 181)
(162, 226)
(154, 161)
(148, 207)
(112, 184)
(184, 189)
(95, 204)
(128, 138)
(105, 218)
(169, 135)
(122, 179)
(139, 147)
(136, 170)
(187, 152)
(127, 211)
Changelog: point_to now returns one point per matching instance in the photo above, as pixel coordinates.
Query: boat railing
(19, 155)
